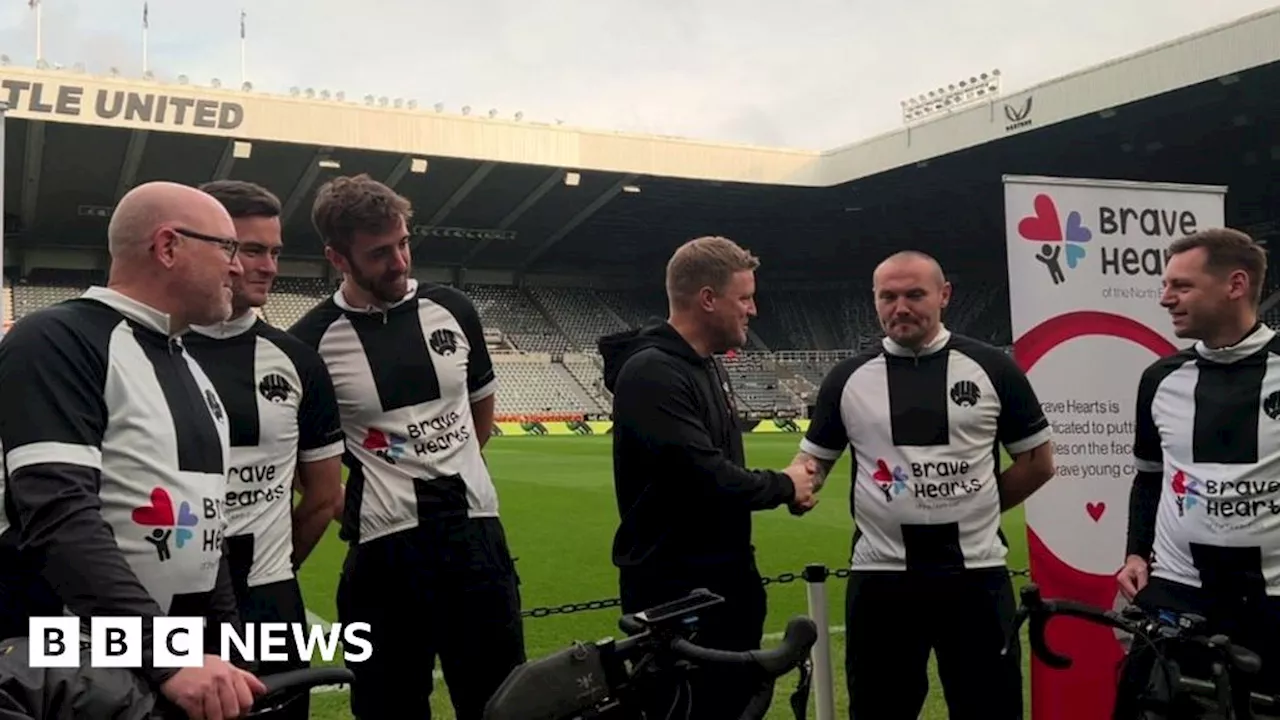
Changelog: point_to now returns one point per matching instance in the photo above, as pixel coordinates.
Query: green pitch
(558, 507)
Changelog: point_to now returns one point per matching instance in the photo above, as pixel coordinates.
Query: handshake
(805, 476)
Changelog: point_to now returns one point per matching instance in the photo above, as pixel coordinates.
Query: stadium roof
(494, 193)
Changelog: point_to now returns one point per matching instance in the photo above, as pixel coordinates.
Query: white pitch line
(438, 675)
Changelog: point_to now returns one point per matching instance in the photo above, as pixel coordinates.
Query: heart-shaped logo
(882, 474)
(1044, 226)
(186, 518)
(1076, 231)
(159, 513)
(1075, 254)
(183, 535)
(1095, 510)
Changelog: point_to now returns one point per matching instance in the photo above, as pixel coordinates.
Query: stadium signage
(66, 100)
(1019, 117)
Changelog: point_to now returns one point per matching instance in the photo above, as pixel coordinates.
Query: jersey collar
(228, 329)
(938, 342)
(1251, 344)
(141, 313)
(341, 301)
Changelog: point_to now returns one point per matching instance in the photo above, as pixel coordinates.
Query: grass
(558, 506)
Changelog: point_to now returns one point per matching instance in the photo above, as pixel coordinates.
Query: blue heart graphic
(186, 518)
(1075, 254)
(183, 536)
(1076, 232)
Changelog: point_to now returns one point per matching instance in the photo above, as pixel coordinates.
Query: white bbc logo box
(115, 642)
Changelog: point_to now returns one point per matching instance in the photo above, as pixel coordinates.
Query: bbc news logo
(178, 642)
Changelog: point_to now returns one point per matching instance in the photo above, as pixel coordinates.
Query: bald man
(923, 413)
(116, 445)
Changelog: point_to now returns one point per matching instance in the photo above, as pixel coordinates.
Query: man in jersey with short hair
(924, 414)
(1204, 512)
(116, 446)
(285, 432)
(428, 567)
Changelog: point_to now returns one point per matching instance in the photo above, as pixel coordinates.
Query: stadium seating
(292, 297)
(543, 339)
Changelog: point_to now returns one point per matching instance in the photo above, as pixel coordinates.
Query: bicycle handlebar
(797, 640)
(281, 686)
(1133, 621)
(1147, 628)
(584, 678)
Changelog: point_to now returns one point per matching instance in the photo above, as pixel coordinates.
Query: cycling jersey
(1209, 421)
(925, 429)
(115, 452)
(405, 378)
(277, 394)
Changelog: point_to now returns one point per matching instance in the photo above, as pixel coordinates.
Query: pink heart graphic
(1095, 510)
(1044, 226)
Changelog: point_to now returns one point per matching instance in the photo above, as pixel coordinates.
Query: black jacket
(684, 497)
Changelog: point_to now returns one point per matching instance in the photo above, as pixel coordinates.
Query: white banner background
(1088, 385)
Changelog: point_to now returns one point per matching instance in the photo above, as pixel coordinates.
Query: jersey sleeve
(481, 380)
(319, 423)
(1022, 425)
(827, 436)
(52, 424)
(1148, 455)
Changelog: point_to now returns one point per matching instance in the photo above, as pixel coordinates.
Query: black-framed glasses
(229, 246)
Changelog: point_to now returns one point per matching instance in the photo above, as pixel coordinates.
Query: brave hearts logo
(1046, 226)
(891, 483)
(159, 514)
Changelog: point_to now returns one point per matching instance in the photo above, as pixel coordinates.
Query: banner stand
(1085, 262)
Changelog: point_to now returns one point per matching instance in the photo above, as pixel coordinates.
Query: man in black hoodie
(684, 496)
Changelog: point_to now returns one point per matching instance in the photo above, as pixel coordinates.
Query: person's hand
(1132, 577)
(216, 691)
(804, 477)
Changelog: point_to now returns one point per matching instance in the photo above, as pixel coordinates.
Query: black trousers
(894, 619)
(278, 602)
(447, 588)
(1250, 619)
(735, 624)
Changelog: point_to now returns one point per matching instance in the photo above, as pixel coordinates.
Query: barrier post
(815, 578)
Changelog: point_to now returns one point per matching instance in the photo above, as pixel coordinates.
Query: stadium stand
(552, 264)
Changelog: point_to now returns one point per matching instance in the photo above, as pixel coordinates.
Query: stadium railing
(815, 577)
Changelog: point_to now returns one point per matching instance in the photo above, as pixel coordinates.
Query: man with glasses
(285, 432)
(116, 445)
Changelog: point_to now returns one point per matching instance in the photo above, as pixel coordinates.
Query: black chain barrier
(813, 573)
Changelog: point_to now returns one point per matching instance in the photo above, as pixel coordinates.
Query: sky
(810, 74)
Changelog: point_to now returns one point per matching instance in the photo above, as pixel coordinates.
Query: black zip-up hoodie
(684, 497)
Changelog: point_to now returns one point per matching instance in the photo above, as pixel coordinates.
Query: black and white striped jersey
(925, 430)
(115, 459)
(1209, 421)
(277, 394)
(405, 378)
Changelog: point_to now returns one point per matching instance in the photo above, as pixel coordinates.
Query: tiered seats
(583, 318)
(27, 298)
(8, 304)
(634, 308)
(756, 384)
(292, 297)
(505, 308)
(586, 369)
(530, 386)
